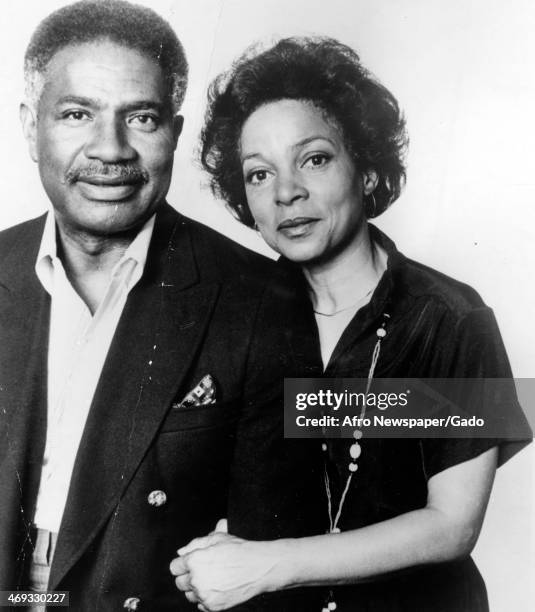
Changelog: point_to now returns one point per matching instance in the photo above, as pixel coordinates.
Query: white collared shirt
(77, 347)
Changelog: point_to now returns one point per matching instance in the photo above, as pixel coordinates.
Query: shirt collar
(385, 290)
(48, 241)
(136, 252)
(44, 264)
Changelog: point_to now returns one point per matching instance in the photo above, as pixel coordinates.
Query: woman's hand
(219, 571)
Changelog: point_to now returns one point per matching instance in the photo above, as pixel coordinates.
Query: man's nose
(289, 189)
(108, 141)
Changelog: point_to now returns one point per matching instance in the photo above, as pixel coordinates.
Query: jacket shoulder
(225, 257)
(21, 236)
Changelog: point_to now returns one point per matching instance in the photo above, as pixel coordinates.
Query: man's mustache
(131, 173)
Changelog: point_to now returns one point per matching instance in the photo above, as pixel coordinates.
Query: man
(142, 354)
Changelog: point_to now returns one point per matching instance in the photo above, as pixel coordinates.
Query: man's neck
(88, 260)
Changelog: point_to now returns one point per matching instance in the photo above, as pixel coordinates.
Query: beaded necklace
(355, 451)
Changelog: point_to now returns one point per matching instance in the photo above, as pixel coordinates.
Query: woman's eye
(256, 177)
(317, 160)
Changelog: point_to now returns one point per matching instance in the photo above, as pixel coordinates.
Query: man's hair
(130, 25)
(329, 75)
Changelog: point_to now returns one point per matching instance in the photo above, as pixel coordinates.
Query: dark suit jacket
(203, 306)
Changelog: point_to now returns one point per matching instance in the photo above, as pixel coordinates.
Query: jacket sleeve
(276, 483)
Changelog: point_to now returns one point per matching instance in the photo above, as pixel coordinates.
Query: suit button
(132, 603)
(157, 498)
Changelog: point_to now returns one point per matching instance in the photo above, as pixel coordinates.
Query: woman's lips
(297, 227)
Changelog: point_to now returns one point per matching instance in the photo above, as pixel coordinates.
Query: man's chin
(116, 221)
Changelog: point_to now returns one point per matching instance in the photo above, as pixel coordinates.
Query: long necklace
(355, 451)
(352, 305)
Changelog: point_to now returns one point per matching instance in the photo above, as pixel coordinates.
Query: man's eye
(317, 160)
(76, 115)
(144, 122)
(256, 177)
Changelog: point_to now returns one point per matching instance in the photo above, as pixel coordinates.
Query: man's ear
(178, 124)
(370, 178)
(28, 118)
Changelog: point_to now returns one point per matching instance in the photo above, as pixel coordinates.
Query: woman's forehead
(286, 124)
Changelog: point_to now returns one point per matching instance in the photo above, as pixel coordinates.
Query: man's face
(104, 136)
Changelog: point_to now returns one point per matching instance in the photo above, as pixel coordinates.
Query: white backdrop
(464, 71)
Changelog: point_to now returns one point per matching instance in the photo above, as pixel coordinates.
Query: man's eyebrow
(81, 100)
(300, 143)
(128, 107)
(144, 105)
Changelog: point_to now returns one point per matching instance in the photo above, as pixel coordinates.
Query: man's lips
(108, 188)
(110, 181)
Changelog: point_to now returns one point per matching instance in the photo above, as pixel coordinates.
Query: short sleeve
(478, 353)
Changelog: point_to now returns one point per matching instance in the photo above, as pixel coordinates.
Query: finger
(190, 596)
(202, 608)
(194, 545)
(204, 542)
(178, 566)
(222, 526)
(183, 583)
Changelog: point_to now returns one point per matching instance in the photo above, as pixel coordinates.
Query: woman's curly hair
(326, 73)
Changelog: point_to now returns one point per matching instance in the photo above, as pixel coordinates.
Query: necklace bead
(353, 467)
(355, 450)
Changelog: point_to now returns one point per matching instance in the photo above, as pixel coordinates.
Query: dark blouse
(437, 328)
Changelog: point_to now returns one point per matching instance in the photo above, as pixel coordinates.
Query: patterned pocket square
(202, 395)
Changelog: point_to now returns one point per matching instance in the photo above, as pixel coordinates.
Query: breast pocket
(201, 417)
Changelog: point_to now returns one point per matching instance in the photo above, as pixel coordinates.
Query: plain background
(464, 73)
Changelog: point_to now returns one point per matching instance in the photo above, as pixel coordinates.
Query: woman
(305, 145)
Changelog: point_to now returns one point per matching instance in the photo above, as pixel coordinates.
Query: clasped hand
(219, 570)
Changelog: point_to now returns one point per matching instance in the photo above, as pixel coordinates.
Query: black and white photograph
(205, 200)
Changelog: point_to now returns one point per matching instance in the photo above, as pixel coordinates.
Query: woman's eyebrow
(297, 145)
(310, 139)
(250, 156)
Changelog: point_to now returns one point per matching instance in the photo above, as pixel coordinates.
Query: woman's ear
(370, 178)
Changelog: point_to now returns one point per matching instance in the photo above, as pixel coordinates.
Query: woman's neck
(348, 279)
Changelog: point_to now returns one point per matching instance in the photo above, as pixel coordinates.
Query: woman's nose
(289, 189)
(108, 141)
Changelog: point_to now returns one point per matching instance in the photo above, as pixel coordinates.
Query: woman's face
(301, 183)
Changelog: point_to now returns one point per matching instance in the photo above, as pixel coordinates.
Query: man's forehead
(102, 68)
(104, 52)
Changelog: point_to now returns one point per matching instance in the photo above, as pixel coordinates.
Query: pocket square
(202, 395)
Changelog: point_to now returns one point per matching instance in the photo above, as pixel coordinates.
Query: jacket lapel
(24, 313)
(155, 342)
